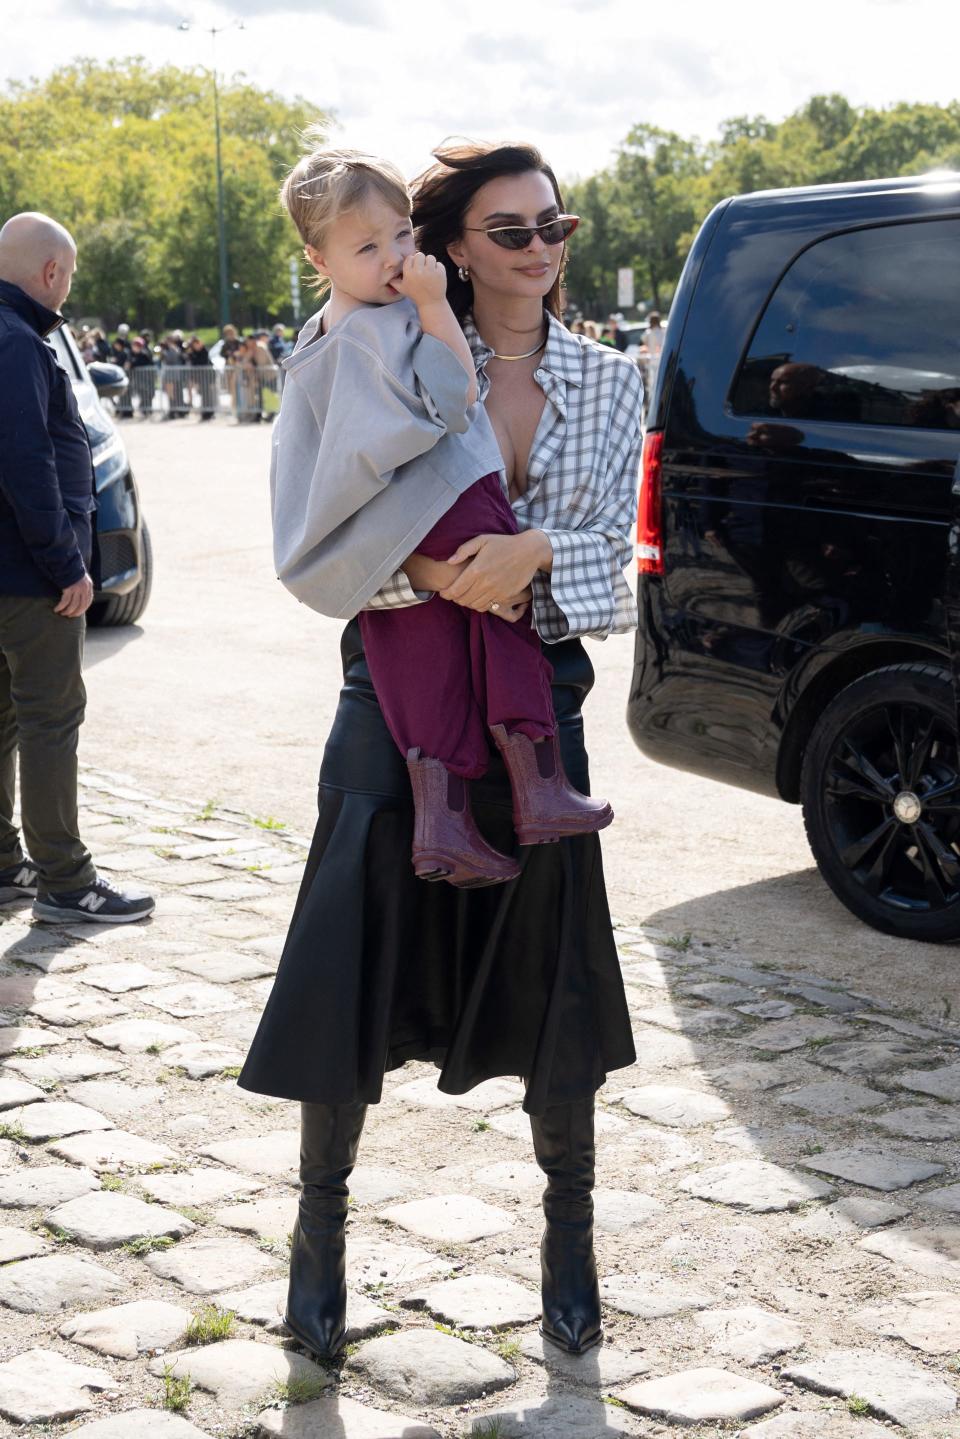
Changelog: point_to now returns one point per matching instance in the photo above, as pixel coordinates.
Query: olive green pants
(42, 701)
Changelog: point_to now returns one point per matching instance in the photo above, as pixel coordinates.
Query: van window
(864, 328)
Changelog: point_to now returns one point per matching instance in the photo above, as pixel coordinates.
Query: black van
(799, 531)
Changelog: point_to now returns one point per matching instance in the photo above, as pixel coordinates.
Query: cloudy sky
(571, 75)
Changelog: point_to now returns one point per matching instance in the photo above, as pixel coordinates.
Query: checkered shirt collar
(562, 355)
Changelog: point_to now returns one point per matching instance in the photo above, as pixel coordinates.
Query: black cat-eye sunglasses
(518, 237)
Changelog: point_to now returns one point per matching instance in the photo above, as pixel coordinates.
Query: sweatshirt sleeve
(28, 469)
(442, 383)
(346, 425)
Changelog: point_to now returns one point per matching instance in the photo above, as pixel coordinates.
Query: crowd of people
(612, 334)
(179, 374)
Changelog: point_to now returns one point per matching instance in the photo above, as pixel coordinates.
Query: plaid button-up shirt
(582, 478)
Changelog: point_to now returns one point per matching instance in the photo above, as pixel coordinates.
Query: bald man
(46, 542)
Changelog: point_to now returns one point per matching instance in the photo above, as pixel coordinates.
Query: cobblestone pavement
(778, 1203)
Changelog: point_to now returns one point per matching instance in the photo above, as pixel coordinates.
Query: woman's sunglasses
(518, 237)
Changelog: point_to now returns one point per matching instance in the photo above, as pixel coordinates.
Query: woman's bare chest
(515, 405)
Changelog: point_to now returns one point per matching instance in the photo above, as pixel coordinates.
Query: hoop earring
(463, 272)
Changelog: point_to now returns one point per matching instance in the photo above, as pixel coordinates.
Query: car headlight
(109, 461)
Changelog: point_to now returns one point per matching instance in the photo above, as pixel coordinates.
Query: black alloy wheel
(881, 801)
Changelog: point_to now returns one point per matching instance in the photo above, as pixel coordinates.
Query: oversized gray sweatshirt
(373, 444)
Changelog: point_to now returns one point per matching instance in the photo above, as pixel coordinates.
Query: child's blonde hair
(327, 183)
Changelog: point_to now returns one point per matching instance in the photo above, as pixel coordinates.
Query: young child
(381, 449)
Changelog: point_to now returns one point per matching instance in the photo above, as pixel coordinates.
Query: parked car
(636, 335)
(799, 531)
(126, 557)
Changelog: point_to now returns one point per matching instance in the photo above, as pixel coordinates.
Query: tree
(646, 209)
(123, 154)
(599, 246)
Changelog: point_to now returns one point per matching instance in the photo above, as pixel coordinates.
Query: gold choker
(527, 354)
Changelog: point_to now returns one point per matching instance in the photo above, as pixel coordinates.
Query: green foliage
(123, 153)
(268, 822)
(209, 1325)
(298, 1390)
(148, 1244)
(645, 209)
(176, 1392)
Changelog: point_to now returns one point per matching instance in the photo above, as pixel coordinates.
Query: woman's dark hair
(442, 196)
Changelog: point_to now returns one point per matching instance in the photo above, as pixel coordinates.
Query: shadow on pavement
(101, 644)
(801, 925)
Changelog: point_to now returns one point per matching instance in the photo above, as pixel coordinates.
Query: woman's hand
(497, 568)
(515, 608)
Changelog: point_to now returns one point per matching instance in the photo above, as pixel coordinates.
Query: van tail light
(649, 511)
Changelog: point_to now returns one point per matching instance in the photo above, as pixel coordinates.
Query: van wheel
(127, 609)
(881, 801)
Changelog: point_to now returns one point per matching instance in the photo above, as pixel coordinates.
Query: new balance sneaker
(17, 881)
(100, 901)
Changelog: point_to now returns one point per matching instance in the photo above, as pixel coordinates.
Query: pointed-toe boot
(546, 807)
(316, 1311)
(564, 1146)
(446, 842)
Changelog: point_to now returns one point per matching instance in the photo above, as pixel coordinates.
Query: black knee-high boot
(317, 1297)
(564, 1146)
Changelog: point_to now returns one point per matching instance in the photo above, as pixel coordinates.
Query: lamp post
(213, 31)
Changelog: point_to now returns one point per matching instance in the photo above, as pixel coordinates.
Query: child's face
(364, 251)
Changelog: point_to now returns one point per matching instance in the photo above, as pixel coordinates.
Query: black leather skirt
(379, 967)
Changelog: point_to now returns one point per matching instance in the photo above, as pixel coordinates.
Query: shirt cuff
(398, 593)
(581, 583)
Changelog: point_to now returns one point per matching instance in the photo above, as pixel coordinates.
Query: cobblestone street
(777, 1201)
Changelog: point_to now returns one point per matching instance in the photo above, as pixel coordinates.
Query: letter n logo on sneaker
(92, 901)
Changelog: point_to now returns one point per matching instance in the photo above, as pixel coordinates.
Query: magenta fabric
(443, 673)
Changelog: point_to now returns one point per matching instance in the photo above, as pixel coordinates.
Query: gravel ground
(730, 1236)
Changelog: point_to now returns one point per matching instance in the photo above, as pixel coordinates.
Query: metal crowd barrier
(169, 391)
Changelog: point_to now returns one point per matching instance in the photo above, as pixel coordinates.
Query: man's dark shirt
(46, 470)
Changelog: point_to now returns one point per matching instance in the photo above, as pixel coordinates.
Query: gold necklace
(525, 356)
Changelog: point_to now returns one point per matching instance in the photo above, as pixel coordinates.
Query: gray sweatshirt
(373, 444)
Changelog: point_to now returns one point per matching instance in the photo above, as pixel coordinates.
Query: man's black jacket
(46, 471)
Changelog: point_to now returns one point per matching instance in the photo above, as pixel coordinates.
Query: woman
(203, 378)
(120, 355)
(172, 362)
(143, 374)
(518, 979)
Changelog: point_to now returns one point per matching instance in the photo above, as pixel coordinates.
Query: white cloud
(572, 75)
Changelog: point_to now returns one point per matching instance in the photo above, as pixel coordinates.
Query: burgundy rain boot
(545, 804)
(446, 842)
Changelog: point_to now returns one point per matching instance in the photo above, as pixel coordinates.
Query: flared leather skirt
(379, 967)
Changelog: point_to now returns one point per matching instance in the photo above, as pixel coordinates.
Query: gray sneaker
(100, 902)
(18, 881)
